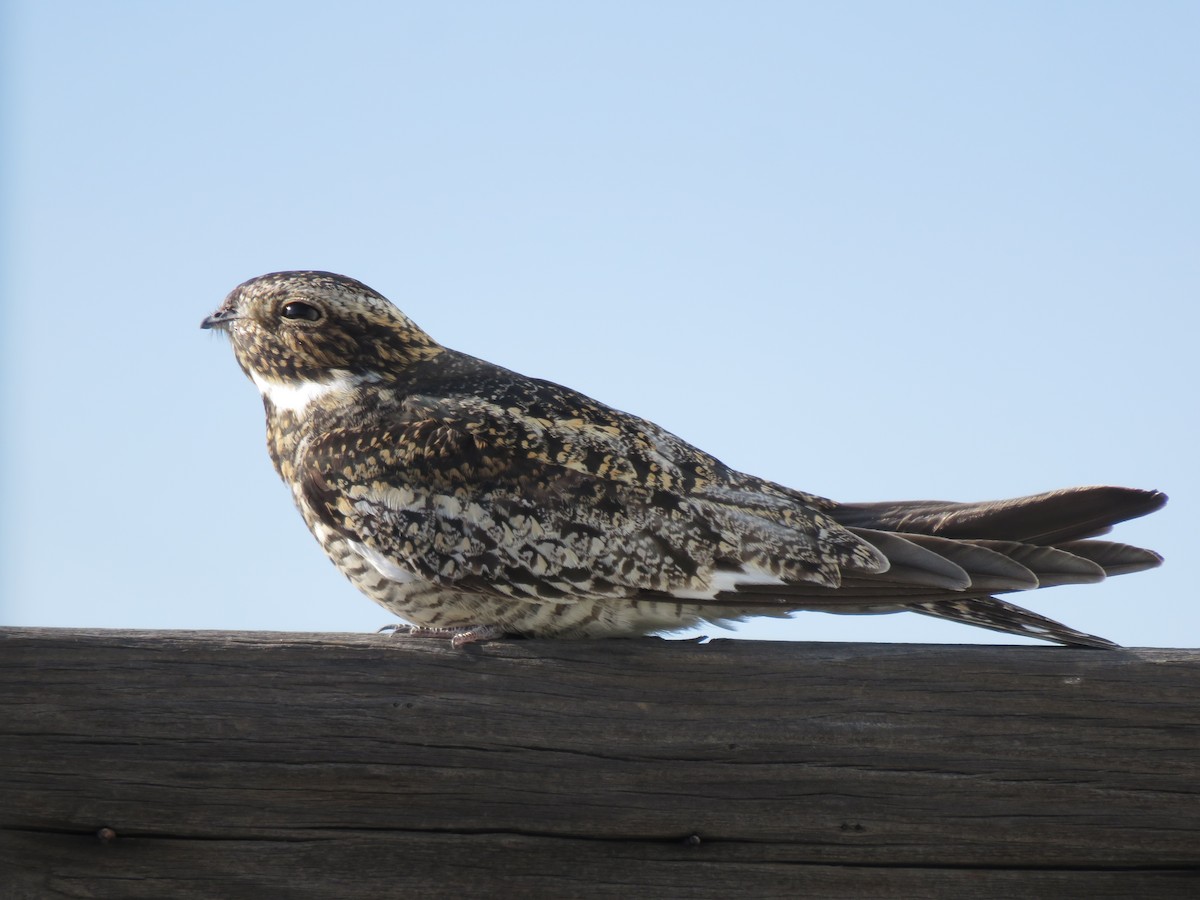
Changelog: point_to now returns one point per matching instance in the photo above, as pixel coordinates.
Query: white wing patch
(382, 564)
(727, 581)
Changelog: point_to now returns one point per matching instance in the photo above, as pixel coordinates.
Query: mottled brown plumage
(473, 501)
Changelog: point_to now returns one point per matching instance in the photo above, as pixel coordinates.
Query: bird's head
(296, 329)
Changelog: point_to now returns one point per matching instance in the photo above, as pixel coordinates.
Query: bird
(473, 502)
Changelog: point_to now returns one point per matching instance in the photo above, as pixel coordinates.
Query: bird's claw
(457, 636)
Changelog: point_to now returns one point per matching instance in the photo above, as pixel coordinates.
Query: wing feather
(466, 493)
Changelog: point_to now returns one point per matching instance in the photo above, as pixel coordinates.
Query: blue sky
(871, 250)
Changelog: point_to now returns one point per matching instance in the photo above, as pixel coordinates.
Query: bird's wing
(483, 497)
(1055, 517)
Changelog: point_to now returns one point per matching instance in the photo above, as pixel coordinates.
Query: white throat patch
(296, 396)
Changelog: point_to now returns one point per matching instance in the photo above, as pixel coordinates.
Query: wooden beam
(211, 764)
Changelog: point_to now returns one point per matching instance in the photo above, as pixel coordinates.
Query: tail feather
(913, 564)
(1000, 615)
(1052, 565)
(990, 570)
(1065, 515)
(1114, 558)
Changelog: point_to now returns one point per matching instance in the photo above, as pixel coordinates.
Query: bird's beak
(220, 319)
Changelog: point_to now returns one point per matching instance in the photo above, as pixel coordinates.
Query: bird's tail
(1070, 514)
(1000, 546)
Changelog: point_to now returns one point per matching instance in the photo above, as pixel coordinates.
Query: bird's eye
(299, 310)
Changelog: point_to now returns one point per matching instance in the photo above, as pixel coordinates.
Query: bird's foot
(457, 636)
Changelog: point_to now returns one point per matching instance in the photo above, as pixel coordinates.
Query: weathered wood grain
(361, 766)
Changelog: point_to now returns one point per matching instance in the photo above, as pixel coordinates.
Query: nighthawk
(473, 502)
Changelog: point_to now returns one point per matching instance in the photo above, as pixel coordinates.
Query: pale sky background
(873, 250)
